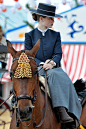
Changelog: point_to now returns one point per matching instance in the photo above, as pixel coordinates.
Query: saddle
(42, 85)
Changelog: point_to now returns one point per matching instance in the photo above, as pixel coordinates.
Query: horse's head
(24, 79)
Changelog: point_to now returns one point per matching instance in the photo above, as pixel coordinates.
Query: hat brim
(35, 11)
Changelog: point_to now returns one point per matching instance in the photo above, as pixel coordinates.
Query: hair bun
(34, 16)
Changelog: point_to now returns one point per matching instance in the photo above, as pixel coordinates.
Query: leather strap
(29, 57)
(24, 96)
(45, 107)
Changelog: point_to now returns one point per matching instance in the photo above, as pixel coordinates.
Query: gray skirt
(62, 90)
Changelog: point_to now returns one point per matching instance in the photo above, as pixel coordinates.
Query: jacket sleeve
(28, 45)
(57, 50)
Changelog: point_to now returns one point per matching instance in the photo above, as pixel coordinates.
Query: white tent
(17, 35)
(73, 32)
(72, 26)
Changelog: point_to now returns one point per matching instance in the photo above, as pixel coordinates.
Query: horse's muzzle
(25, 115)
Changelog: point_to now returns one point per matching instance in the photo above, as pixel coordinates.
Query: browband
(29, 57)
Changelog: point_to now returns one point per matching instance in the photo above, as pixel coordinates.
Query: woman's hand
(49, 65)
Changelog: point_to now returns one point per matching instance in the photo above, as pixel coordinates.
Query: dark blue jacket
(49, 46)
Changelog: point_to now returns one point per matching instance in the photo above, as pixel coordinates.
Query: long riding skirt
(62, 91)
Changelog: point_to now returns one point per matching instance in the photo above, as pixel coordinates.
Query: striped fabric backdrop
(73, 61)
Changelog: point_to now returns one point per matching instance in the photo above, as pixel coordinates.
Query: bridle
(33, 99)
(26, 96)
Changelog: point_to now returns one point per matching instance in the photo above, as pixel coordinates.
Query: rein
(6, 100)
(33, 99)
(45, 101)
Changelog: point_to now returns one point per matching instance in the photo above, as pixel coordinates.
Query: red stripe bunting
(73, 61)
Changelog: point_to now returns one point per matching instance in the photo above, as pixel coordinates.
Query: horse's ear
(35, 48)
(10, 48)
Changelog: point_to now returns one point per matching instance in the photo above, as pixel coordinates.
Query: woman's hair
(36, 17)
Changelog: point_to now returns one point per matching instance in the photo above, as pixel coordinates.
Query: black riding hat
(46, 10)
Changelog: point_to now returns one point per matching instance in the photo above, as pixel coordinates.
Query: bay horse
(29, 98)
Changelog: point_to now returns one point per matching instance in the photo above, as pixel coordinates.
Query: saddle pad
(42, 80)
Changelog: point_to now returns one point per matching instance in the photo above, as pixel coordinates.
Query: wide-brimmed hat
(46, 10)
